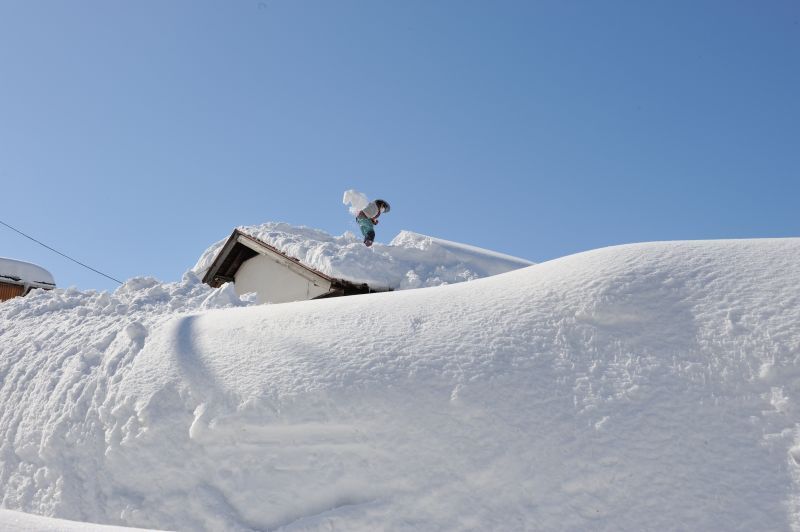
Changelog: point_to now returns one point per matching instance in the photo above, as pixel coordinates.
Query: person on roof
(368, 218)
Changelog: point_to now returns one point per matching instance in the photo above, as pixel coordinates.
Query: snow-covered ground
(641, 387)
(22, 522)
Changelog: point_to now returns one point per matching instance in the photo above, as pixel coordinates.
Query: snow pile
(22, 522)
(652, 386)
(61, 351)
(409, 261)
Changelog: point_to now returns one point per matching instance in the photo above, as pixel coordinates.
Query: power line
(56, 251)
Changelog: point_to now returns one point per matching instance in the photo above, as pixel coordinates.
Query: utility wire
(56, 251)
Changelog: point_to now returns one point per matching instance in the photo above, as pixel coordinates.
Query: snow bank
(650, 386)
(22, 522)
(409, 261)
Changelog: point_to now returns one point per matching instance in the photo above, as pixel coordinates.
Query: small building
(17, 278)
(275, 277)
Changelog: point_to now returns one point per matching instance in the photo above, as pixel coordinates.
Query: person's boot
(369, 238)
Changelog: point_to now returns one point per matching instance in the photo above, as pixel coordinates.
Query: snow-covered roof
(410, 260)
(20, 272)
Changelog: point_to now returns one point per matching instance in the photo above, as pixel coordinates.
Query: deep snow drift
(22, 522)
(650, 386)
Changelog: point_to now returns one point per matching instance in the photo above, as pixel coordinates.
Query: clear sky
(135, 134)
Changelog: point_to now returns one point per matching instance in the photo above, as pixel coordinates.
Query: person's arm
(372, 211)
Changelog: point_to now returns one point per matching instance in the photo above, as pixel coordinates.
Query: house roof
(24, 273)
(241, 247)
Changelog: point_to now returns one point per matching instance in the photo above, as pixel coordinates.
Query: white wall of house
(275, 282)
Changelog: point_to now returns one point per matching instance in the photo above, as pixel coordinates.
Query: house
(255, 266)
(17, 278)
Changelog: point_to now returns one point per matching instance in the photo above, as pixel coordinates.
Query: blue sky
(135, 134)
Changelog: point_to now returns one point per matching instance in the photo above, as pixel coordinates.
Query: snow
(410, 260)
(25, 272)
(22, 522)
(649, 386)
(356, 201)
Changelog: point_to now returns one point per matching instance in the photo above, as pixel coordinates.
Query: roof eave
(215, 278)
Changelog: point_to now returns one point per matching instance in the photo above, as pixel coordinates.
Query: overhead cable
(62, 254)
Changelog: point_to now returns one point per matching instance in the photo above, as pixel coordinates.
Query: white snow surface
(640, 387)
(410, 260)
(22, 522)
(25, 272)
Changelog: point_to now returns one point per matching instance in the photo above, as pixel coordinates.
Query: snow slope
(22, 522)
(651, 386)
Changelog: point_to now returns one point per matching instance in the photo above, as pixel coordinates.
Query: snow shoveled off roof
(641, 387)
(11, 521)
(410, 260)
(25, 273)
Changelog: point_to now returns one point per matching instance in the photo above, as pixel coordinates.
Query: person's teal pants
(367, 227)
